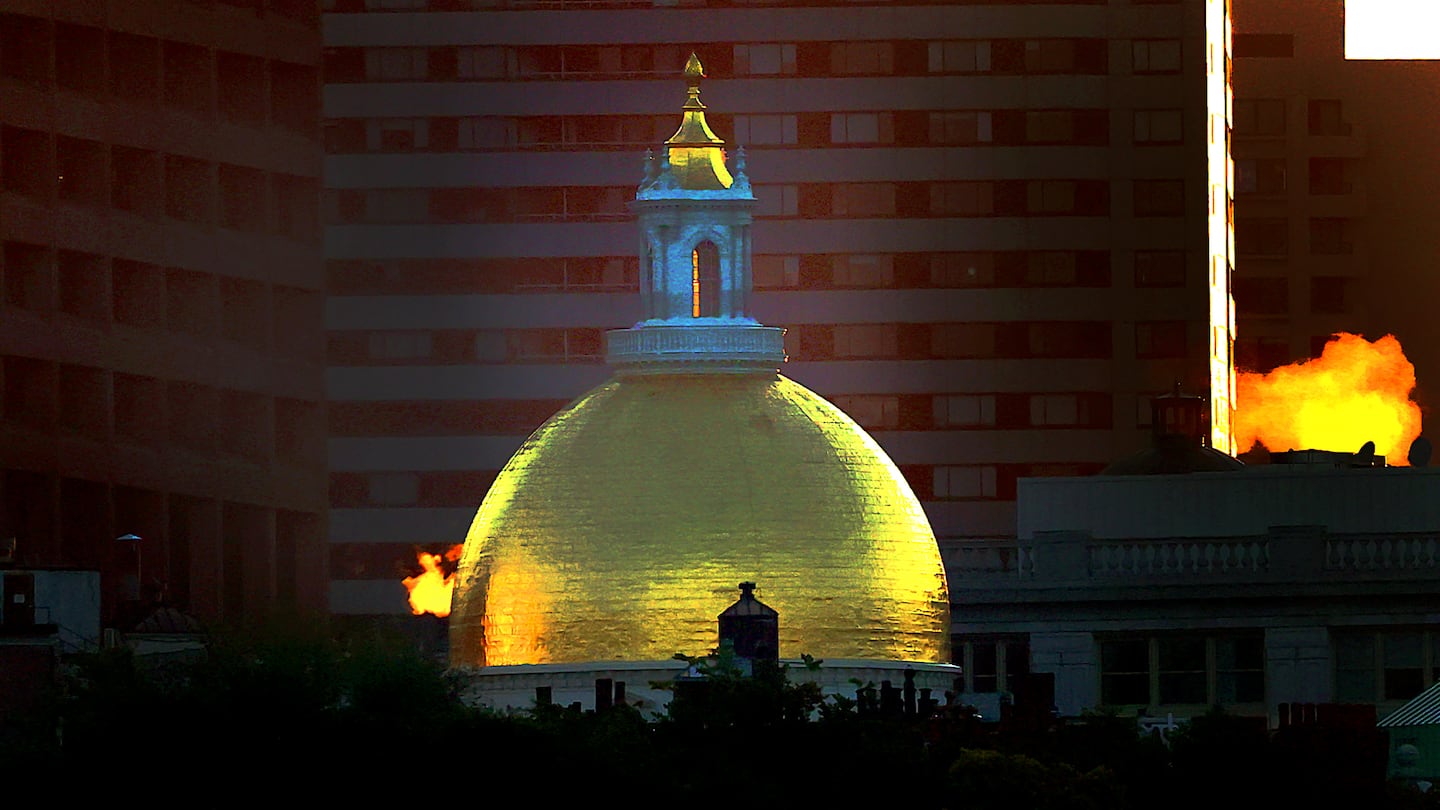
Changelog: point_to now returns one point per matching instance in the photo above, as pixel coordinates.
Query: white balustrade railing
(1382, 553)
(1158, 558)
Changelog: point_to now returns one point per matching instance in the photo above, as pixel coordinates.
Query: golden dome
(619, 530)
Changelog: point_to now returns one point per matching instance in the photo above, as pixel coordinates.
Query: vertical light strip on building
(1222, 222)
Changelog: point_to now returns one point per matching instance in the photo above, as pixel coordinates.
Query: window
(1182, 670)
(863, 199)
(965, 410)
(772, 272)
(1050, 197)
(862, 57)
(400, 345)
(1262, 237)
(480, 62)
(767, 129)
(397, 205)
(1262, 296)
(1049, 126)
(959, 56)
(1326, 117)
(1159, 198)
(871, 411)
(396, 134)
(1160, 340)
(705, 281)
(1062, 410)
(1067, 339)
(862, 270)
(965, 482)
(1159, 268)
(962, 269)
(1331, 295)
(1260, 116)
(394, 489)
(962, 339)
(991, 664)
(1050, 268)
(1263, 45)
(486, 133)
(776, 201)
(1155, 56)
(1385, 665)
(1327, 176)
(1260, 176)
(866, 340)
(960, 127)
(1159, 126)
(1330, 236)
(975, 198)
(764, 60)
(1261, 353)
(1049, 55)
(861, 128)
(396, 64)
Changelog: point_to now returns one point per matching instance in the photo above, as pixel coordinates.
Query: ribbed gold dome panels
(619, 530)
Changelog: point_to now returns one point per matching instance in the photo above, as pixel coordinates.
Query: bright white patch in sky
(1392, 29)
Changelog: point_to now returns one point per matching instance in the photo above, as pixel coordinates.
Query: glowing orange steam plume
(430, 590)
(1355, 392)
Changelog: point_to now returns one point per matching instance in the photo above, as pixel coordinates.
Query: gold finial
(695, 153)
(694, 71)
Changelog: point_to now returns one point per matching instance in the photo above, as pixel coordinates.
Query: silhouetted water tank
(1180, 439)
(751, 626)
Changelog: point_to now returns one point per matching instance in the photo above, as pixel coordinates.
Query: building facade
(1333, 164)
(1169, 594)
(160, 339)
(992, 231)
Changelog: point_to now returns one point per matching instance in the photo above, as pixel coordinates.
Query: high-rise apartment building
(993, 230)
(161, 346)
(1335, 163)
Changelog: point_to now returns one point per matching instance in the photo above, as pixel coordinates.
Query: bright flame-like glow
(1392, 29)
(430, 590)
(1355, 392)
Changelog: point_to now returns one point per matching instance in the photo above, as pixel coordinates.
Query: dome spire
(693, 128)
(695, 275)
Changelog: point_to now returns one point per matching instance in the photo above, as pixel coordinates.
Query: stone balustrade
(742, 346)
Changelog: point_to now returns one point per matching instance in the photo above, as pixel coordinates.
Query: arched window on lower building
(705, 281)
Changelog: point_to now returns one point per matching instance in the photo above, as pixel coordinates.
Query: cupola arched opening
(705, 281)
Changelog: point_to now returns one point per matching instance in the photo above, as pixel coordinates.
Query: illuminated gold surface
(697, 160)
(619, 530)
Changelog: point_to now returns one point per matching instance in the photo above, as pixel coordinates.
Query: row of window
(1160, 127)
(1268, 176)
(102, 405)
(101, 289)
(456, 488)
(1371, 666)
(1266, 117)
(993, 411)
(203, 82)
(1270, 236)
(805, 342)
(152, 184)
(979, 269)
(1264, 354)
(1329, 295)
(955, 198)
(1002, 57)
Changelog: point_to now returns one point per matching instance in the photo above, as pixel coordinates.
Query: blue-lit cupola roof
(695, 214)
